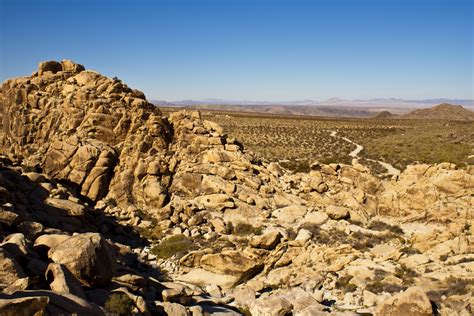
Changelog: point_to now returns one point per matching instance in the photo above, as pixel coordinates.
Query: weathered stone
(266, 241)
(232, 264)
(290, 214)
(70, 66)
(273, 306)
(8, 218)
(315, 218)
(23, 306)
(51, 65)
(16, 245)
(412, 302)
(337, 212)
(10, 270)
(87, 256)
(215, 201)
(73, 209)
(203, 277)
(62, 281)
(57, 304)
(175, 309)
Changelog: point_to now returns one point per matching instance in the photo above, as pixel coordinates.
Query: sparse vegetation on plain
(296, 141)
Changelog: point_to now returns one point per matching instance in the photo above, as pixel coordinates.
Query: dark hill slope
(443, 111)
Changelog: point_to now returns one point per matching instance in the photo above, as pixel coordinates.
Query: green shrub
(119, 304)
(177, 245)
(379, 287)
(381, 226)
(244, 229)
(453, 286)
(410, 250)
(111, 202)
(406, 274)
(343, 283)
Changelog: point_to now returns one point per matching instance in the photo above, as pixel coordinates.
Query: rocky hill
(107, 206)
(442, 111)
(385, 115)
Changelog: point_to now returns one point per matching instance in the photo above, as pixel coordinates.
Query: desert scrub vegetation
(380, 284)
(177, 245)
(119, 304)
(452, 286)
(343, 283)
(299, 141)
(406, 274)
(243, 229)
(358, 240)
(111, 202)
(382, 226)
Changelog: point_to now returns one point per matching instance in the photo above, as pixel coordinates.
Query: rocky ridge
(180, 219)
(444, 111)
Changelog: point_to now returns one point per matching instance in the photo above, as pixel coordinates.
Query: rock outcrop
(107, 205)
(86, 129)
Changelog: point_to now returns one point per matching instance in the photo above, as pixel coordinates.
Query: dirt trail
(391, 170)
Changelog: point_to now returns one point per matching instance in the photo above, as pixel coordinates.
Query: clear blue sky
(251, 50)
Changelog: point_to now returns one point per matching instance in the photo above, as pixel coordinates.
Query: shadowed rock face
(86, 129)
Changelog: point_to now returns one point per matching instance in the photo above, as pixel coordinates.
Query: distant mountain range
(334, 107)
(377, 102)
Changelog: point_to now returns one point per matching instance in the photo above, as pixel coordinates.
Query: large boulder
(412, 302)
(273, 306)
(88, 257)
(225, 269)
(267, 241)
(50, 65)
(35, 305)
(43, 302)
(70, 66)
(62, 281)
(10, 269)
(232, 263)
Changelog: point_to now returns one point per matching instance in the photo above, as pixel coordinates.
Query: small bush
(406, 274)
(379, 287)
(243, 229)
(111, 202)
(454, 286)
(443, 257)
(343, 283)
(381, 226)
(296, 166)
(119, 304)
(410, 250)
(467, 228)
(177, 245)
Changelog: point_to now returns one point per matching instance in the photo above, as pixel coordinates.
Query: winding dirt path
(391, 170)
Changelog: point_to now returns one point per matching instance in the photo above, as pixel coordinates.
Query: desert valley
(110, 205)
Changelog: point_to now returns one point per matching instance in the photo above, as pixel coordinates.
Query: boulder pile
(107, 206)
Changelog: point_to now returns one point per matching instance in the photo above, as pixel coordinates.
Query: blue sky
(252, 50)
